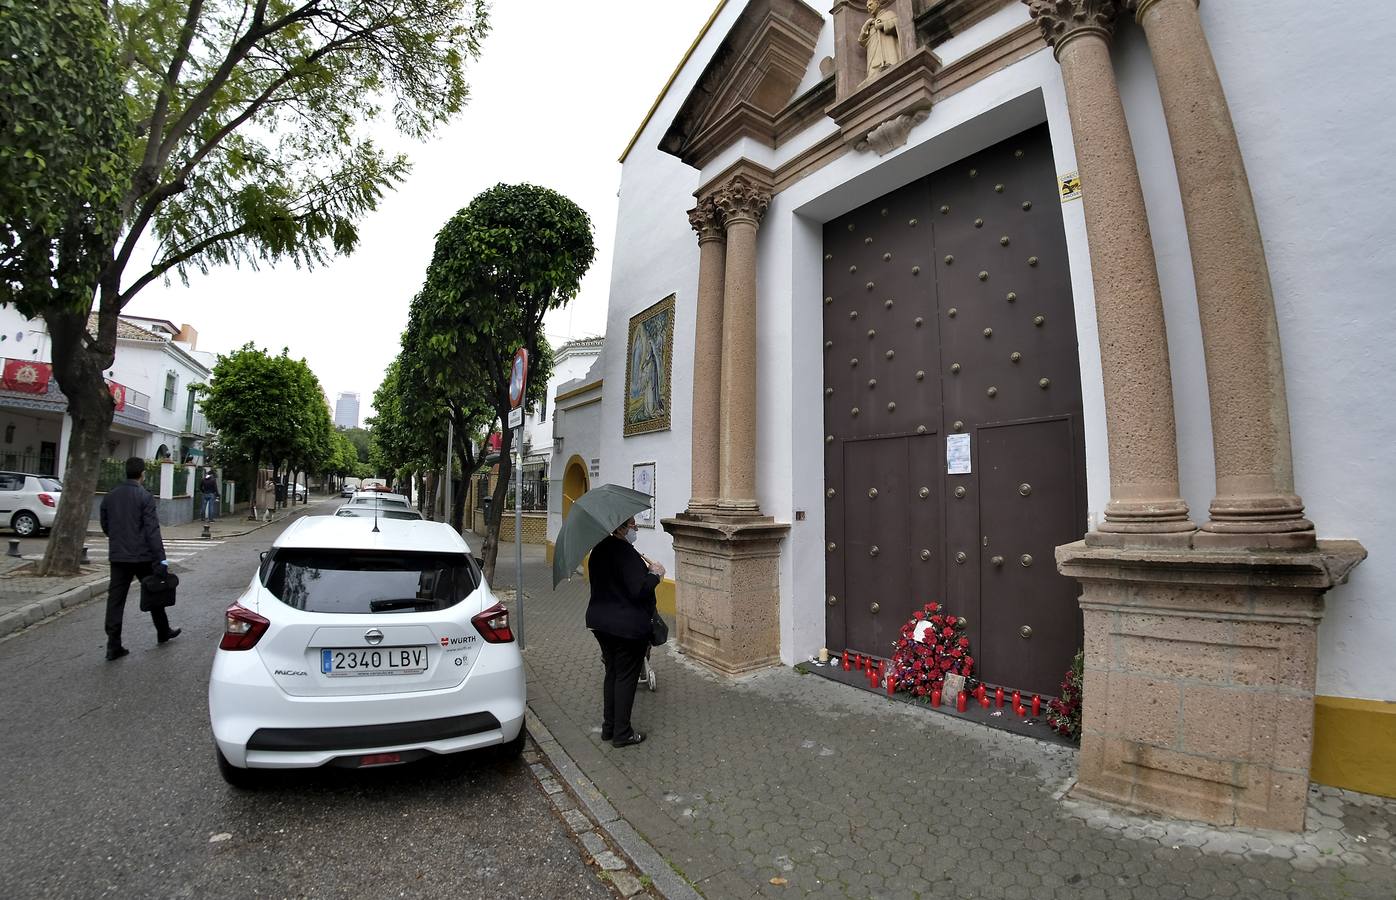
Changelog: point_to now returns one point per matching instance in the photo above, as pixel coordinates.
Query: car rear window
(337, 581)
(50, 484)
(395, 512)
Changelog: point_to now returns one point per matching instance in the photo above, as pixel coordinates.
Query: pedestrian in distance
(619, 614)
(131, 522)
(210, 489)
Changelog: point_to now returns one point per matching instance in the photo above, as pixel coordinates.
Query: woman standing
(622, 604)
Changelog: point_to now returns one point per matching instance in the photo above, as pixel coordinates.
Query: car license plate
(380, 661)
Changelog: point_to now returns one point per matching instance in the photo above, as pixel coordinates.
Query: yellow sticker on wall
(1069, 184)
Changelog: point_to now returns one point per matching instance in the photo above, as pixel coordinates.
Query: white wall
(570, 364)
(1316, 136)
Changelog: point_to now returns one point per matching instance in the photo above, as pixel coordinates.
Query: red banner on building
(118, 393)
(27, 377)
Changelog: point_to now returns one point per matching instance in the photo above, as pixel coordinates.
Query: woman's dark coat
(622, 590)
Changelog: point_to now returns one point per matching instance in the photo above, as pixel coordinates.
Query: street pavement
(780, 784)
(110, 788)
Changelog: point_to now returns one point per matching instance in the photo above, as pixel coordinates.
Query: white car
(366, 510)
(28, 502)
(363, 644)
(374, 498)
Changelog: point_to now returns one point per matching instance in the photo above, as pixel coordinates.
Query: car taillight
(47, 500)
(493, 625)
(242, 629)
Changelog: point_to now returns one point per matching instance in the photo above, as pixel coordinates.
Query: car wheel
(243, 779)
(25, 524)
(511, 750)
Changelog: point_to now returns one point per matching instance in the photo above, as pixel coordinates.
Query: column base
(744, 509)
(728, 590)
(1264, 523)
(1199, 678)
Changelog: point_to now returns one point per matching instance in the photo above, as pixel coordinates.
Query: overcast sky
(558, 92)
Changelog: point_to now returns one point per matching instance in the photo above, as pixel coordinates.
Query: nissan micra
(363, 642)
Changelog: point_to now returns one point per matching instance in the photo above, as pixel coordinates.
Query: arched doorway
(574, 483)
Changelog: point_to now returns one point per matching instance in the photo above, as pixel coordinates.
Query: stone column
(1145, 504)
(742, 202)
(1255, 504)
(707, 347)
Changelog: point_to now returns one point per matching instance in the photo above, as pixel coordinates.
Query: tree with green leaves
(246, 145)
(499, 266)
(64, 166)
(268, 409)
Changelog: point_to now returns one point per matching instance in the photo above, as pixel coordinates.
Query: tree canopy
(499, 266)
(270, 409)
(236, 132)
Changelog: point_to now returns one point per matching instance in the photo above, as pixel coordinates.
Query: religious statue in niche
(879, 38)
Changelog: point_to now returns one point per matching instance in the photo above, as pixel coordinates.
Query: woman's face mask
(633, 534)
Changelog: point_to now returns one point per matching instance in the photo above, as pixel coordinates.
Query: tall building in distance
(346, 410)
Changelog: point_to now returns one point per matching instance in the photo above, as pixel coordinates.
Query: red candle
(1036, 705)
(845, 660)
(1017, 699)
(1020, 710)
(961, 702)
(998, 692)
(984, 700)
(858, 659)
(979, 693)
(891, 685)
(935, 697)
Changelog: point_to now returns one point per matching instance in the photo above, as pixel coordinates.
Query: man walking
(131, 523)
(210, 489)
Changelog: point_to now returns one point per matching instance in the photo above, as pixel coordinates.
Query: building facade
(153, 377)
(1051, 311)
(346, 410)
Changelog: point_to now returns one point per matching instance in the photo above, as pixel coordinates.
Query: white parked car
(28, 502)
(366, 510)
(358, 647)
(375, 498)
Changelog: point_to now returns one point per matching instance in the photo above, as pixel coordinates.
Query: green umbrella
(592, 516)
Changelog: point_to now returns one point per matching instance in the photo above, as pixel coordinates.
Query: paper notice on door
(957, 454)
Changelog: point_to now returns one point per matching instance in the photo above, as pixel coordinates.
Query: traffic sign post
(518, 387)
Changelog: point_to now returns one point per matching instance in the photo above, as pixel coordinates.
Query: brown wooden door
(948, 311)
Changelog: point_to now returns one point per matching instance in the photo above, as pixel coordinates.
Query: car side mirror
(263, 555)
(480, 561)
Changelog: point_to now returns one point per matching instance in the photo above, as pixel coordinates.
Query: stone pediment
(750, 79)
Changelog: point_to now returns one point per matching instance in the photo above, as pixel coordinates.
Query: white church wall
(1316, 134)
(1315, 139)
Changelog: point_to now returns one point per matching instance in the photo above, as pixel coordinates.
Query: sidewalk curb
(39, 610)
(648, 860)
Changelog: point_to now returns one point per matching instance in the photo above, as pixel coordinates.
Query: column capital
(1062, 21)
(706, 219)
(742, 199)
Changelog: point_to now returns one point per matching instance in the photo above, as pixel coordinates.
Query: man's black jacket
(622, 590)
(131, 522)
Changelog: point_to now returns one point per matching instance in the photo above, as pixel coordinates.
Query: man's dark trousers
(623, 659)
(121, 575)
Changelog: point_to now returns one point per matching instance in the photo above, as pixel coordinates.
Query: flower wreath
(1064, 713)
(920, 664)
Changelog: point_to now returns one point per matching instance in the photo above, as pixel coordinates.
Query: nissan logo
(373, 636)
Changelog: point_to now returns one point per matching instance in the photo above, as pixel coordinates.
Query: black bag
(659, 629)
(158, 589)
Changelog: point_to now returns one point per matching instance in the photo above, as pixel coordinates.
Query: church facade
(1066, 314)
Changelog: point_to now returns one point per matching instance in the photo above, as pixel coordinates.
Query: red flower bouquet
(1064, 713)
(921, 662)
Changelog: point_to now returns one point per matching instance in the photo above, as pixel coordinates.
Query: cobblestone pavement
(835, 792)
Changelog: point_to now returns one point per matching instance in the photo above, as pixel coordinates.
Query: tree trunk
(78, 370)
(501, 490)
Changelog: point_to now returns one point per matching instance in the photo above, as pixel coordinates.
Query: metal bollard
(207, 535)
(85, 560)
(14, 549)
